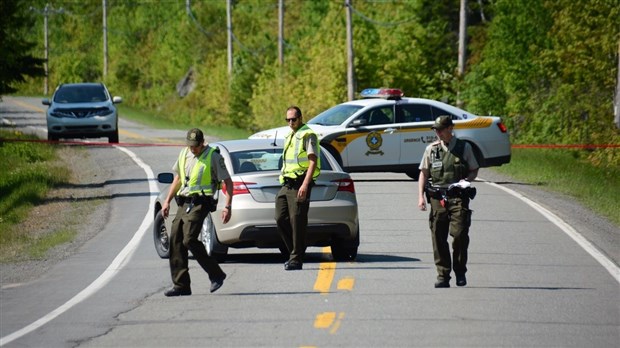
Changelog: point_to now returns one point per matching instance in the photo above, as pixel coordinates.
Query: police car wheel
(413, 174)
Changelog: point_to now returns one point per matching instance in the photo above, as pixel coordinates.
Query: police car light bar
(385, 93)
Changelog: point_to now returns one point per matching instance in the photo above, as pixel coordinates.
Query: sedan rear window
(264, 160)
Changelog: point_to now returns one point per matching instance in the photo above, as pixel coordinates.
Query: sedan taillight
(239, 187)
(502, 127)
(345, 185)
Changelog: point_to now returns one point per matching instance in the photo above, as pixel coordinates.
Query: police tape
(93, 143)
(563, 146)
(85, 143)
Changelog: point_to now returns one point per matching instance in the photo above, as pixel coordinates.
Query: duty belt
(193, 199)
(454, 192)
(296, 183)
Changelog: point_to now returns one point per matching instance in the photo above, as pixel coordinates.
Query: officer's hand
(226, 214)
(301, 193)
(165, 209)
(421, 203)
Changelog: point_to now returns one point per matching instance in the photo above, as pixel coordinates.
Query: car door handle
(390, 130)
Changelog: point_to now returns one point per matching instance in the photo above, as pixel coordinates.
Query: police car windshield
(335, 116)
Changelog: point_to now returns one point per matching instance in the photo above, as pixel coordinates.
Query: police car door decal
(377, 142)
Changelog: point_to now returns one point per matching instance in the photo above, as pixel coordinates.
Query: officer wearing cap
(300, 167)
(448, 161)
(198, 172)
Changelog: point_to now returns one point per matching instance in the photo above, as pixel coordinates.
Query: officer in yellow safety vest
(300, 167)
(199, 170)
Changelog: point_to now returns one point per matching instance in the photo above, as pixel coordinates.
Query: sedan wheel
(345, 251)
(160, 236)
(209, 239)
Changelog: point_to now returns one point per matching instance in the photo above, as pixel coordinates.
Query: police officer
(447, 161)
(199, 169)
(300, 167)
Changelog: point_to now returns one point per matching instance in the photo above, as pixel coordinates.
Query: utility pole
(350, 57)
(229, 30)
(46, 12)
(281, 32)
(462, 49)
(105, 39)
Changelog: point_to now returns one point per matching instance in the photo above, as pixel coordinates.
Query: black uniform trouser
(183, 237)
(452, 219)
(292, 220)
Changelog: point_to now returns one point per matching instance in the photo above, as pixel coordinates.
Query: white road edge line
(611, 267)
(117, 264)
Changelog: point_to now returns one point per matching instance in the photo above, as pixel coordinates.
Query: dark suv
(82, 110)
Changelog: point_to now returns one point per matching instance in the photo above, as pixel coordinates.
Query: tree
(16, 61)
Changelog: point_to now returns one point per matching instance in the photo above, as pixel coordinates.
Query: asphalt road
(532, 281)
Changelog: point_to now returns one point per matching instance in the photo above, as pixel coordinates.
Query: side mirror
(117, 100)
(165, 178)
(46, 102)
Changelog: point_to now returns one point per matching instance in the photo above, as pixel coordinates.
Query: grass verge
(569, 172)
(29, 171)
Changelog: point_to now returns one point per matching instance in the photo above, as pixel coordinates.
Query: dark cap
(194, 137)
(442, 122)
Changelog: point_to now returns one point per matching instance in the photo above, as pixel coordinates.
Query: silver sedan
(254, 165)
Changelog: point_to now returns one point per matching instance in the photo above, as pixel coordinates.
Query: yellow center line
(27, 106)
(325, 276)
(346, 283)
(328, 320)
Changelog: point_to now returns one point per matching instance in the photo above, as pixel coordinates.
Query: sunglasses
(291, 119)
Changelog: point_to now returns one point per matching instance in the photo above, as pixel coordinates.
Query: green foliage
(21, 61)
(548, 67)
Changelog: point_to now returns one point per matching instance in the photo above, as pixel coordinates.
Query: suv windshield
(335, 116)
(80, 94)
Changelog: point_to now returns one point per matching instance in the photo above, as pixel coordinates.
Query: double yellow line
(327, 270)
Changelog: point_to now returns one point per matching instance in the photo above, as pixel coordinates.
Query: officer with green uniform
(198, 172)
(448, 161)
(300, 167)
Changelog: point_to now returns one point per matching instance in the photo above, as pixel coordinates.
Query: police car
(386, 132)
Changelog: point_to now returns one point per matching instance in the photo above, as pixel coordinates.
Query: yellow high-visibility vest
(200, 177)
(295, 158)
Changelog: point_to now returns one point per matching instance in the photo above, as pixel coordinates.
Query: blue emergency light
(384, 93)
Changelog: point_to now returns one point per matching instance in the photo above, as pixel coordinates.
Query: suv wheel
(113, 139)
